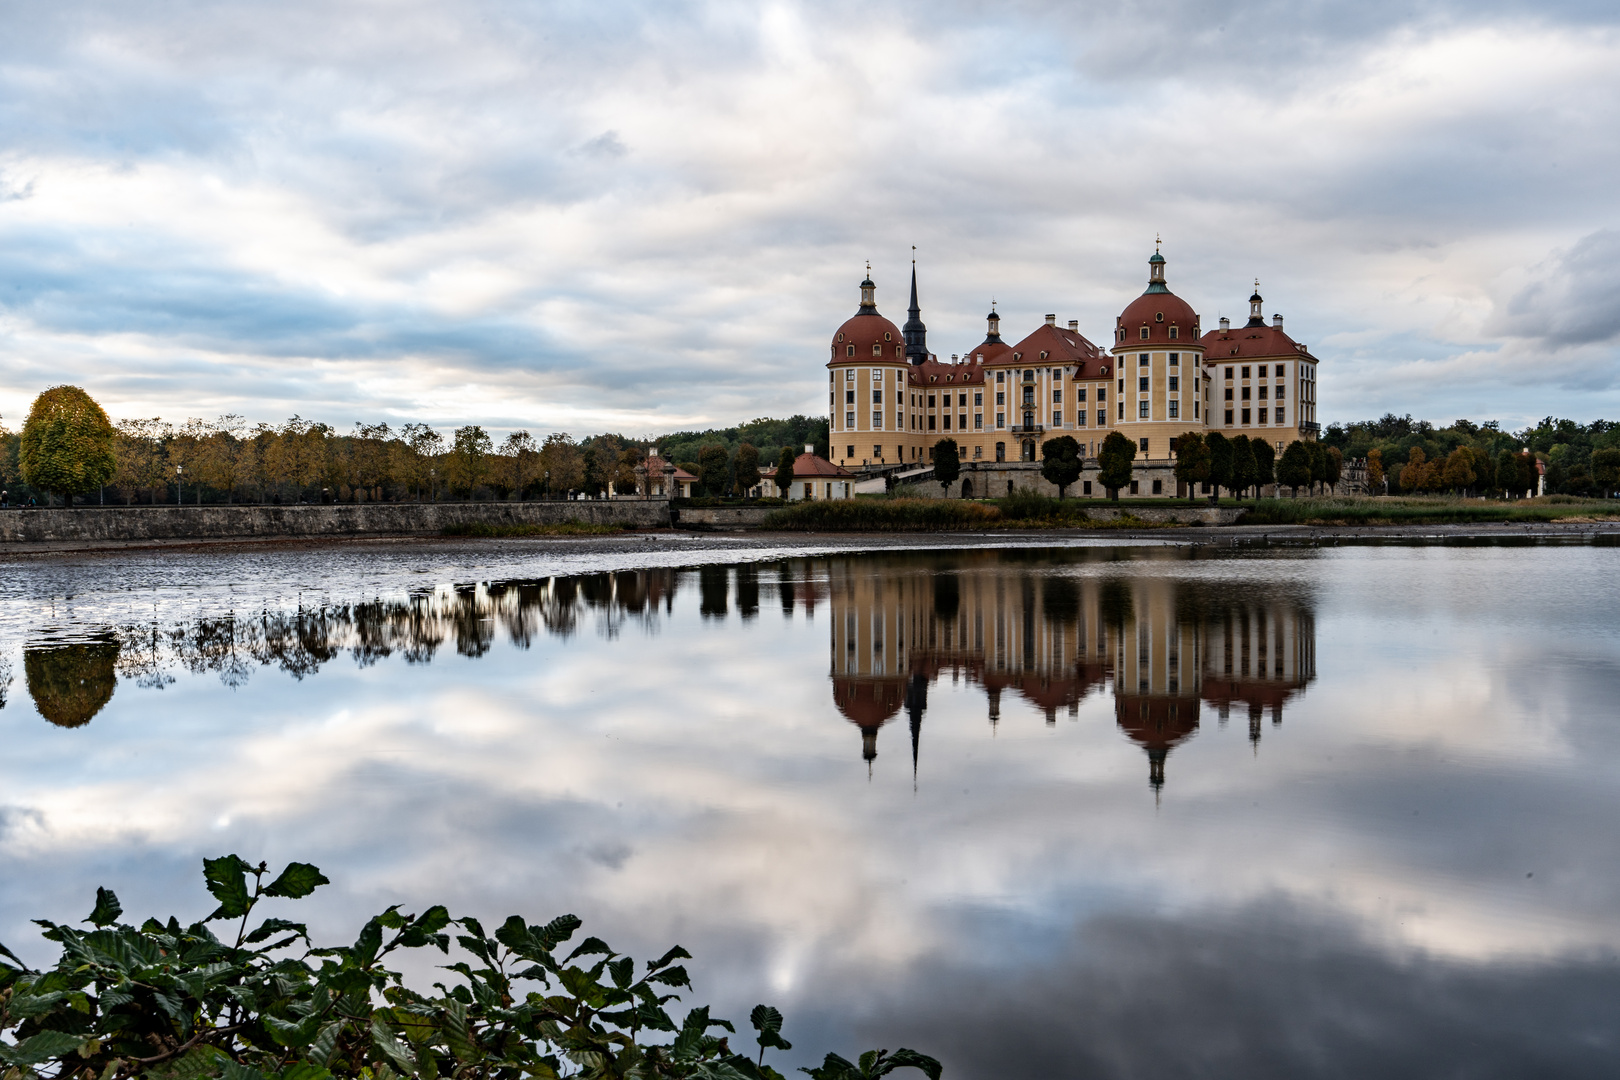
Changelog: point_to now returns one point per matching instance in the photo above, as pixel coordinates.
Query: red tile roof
(863, 332)
(1061, 347)
(655, 468)
(1246, 342)
(1158, 311)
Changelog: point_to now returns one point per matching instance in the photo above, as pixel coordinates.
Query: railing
(1035, 430)
(1310, 425)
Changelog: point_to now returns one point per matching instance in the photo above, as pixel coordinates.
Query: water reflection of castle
(1054, 633)
(1050, 627)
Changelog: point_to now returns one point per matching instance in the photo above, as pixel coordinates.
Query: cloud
(654, 214)
(1569, 299)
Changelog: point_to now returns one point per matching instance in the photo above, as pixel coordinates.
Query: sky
(645, 217)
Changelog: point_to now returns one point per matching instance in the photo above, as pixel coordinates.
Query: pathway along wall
(267, 522)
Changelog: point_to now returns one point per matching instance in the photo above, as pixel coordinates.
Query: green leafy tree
(561, 463)
(1606, 469)
(1220, 462)
(1115, 457)
(1192, 461)
(1375, 472)
(784, 470)
(747, 468)
(1265, 462)
(224, 997)
(1294, 470)
(714, 467)
(1319, 463)
(1458, 472)
(67, 444)
(1333, 466)
(1244, 469)
(947, 464)
(1061, 462)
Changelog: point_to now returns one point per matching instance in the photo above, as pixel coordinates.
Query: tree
(784, 470)
(1333, 466)
(1061, 462)
(714, 466)
(1220, 463)
(1375, 472)
(1294, 469)
(947, 463)
(1265, 461)
(562, 463)
(1458, 473)
(1244, 468)
(138, 451)
(1319, 466)
(1606, 469)
(1412, 473)
(1192, 461)
(747, 468)
(67, 443)
(624, 472)
(1115, 457)
(468, 458)
(520, 461)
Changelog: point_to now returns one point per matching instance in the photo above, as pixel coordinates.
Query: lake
(1081, 810)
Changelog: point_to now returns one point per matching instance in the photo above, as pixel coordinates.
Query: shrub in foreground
(176, 1002)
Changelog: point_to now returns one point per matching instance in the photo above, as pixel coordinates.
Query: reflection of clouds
(698, 785)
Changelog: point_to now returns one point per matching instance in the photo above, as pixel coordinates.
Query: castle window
(1175, 408)
(1043, 354)
(1175, 383)
(887, 336)
(1228, 373)
(1158, 316)
(849, 374)
(852, 350)
(840, 337)
(1144, 332)
(1142, 359)
(877, 350)
(1175, 359)
(1174, 333)
(1245, 373)
(1001, 376)
(1142, 409)
(877, 374)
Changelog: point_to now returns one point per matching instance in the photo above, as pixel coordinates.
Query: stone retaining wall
(112, 523)
(722, 517)
(1180, 515)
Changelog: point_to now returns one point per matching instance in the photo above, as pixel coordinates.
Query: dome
(867, 336)
(1168, 318)
(863, 333)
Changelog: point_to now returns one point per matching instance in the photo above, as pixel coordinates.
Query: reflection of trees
(70, 683)
(301, 641)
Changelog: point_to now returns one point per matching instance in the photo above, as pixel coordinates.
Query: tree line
(1416, 456)
(69, 447)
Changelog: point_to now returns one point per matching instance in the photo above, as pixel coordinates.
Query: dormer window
(1158, 316)
(1144, 332)
(1175, 332)
(877, 350)
(840, 337)
(852, 350)
(1043, 354)
(887, 336)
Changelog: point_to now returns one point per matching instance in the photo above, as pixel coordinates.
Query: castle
(890, 400)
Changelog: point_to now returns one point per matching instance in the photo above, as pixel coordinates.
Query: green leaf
(833, 1067)
(234, 1071)
(305, 1071)
(903, 1058)
(397, 1053)
(275, 926)
(41, 1048)
(767, 1020)
(591, 946)
(558, 930)
(456, 1035)
(107, 908)
(320, 1051)
(227, 881)
(15, 958)
(297, 881)
(367, 944)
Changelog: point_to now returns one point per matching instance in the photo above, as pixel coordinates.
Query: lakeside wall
(113, 523)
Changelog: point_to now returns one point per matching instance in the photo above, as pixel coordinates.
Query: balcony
(1034, 429)
(1310, 427)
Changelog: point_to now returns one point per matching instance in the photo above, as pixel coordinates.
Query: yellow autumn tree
(67, 443)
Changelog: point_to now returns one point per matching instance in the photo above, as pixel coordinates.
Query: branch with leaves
(178, 1003)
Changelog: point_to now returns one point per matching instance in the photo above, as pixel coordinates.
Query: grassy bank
(563, 528)
(1352, 510)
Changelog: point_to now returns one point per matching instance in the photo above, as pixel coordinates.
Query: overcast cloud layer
(642, 217)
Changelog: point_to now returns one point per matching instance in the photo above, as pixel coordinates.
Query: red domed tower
(866, 386)
(1158, 362)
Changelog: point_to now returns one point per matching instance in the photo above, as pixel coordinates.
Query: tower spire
(1256, 315)
(915, 332)
(868, 293)
(1156, 271)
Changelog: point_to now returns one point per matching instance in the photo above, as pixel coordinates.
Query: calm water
(1151, 811)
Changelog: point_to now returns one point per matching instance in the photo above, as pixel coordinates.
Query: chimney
(809, 448)
(1051, 320)
(1074, 326)
(1276, 322)
(955, 358)
(1226, 324)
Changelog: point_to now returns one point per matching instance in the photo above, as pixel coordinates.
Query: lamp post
(433, 485)
(178, 488)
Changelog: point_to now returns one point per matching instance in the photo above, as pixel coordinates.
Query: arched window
(1144, 332)
(852, 350)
